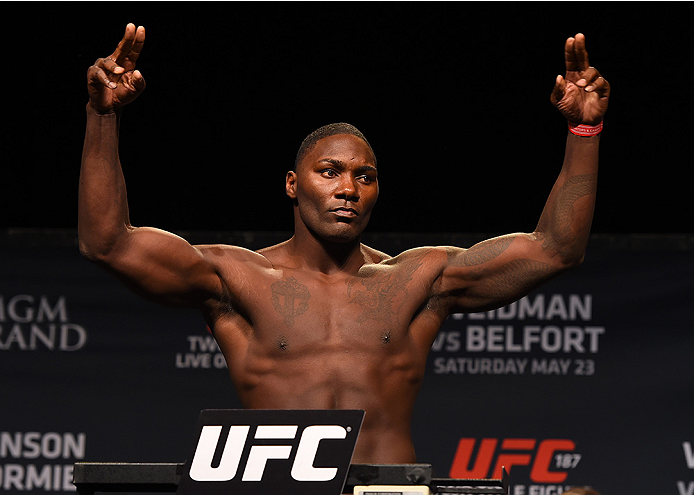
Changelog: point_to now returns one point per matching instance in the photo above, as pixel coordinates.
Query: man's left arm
(498, 271)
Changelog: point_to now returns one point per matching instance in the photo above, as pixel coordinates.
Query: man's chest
(373, 307)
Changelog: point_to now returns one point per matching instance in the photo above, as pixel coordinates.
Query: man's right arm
(158, 265)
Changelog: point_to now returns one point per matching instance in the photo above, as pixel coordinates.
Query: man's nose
(347, 188)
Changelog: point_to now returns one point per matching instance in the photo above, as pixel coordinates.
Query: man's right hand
(113, 81)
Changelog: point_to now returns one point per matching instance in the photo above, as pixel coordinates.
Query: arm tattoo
(518, 277)
(562, 219)
(290, 299)
(480, 253)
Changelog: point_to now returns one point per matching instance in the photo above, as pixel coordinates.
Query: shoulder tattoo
(379, 290)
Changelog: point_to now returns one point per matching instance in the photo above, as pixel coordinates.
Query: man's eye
(367, 179)
(328, 172)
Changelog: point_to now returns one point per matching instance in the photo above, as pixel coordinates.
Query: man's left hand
(582, 94)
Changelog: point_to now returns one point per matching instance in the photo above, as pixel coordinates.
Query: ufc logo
(523, 453)
(302, 468)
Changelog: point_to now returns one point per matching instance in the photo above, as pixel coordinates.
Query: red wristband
(585, 129)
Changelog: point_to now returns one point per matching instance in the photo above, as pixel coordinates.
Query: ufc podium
(282, 452)
(91, 478)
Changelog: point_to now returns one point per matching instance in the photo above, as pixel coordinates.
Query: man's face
(335, 187)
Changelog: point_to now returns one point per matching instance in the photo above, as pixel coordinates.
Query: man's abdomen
(384, 386)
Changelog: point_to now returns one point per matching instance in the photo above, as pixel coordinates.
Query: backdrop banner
(587, 381)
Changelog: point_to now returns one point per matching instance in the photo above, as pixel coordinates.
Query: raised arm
(157, 264)
(501, 270)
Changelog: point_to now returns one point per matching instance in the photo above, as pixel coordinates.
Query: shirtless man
(322, 321)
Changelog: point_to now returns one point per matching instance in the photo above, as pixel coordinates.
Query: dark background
(454, 98)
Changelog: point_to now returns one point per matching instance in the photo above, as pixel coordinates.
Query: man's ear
(290, 184)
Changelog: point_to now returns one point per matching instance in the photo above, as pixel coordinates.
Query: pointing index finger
(124, 46)
(569, 55)
(581, 52)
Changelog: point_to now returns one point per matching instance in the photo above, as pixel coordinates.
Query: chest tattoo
(380, 290)
(290, 299)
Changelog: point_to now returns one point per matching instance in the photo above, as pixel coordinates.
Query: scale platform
(95, 477)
